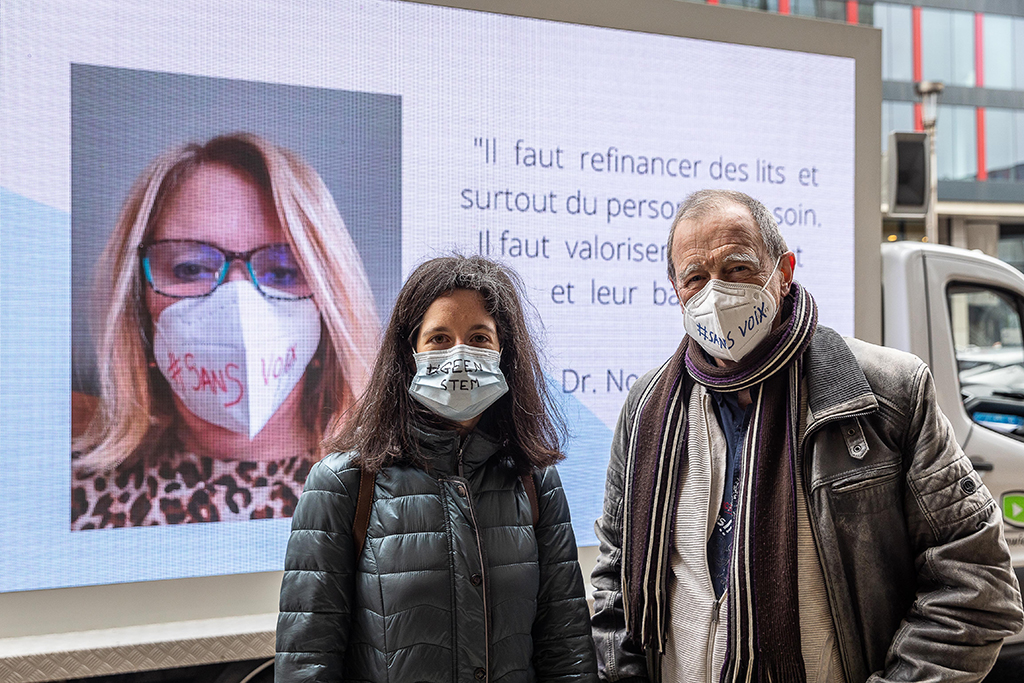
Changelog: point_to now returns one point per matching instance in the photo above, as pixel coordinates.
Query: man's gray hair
(702, 202)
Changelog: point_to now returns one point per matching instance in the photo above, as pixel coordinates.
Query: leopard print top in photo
(183, 488)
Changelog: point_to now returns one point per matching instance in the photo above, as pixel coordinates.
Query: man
(784, 504)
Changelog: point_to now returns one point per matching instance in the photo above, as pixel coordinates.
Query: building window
(956, 143)
(896, 116)
(832, 9)
(1011, 245)
(1001, 156)
(769, 5)
(997, 37)
(897, 27)
(1004, 144)
(1018, 144)
(866, 14)
(804, 8)
(947, 46)
(1018, 53)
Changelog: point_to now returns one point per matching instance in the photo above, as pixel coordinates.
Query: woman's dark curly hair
(525, 419)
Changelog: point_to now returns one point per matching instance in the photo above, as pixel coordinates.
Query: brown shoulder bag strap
(362, 518)
(531, 493)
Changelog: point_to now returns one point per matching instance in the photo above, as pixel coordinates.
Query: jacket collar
(836, 384)
(443, 448)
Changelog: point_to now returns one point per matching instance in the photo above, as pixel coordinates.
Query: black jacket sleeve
(563, 650)
(618, 657)
(319, 576)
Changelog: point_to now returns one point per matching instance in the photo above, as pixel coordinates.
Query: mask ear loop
(771, 274)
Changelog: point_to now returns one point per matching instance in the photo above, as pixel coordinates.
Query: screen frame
(69, 610)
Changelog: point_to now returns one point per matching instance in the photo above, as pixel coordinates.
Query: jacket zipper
(712, 637)
(480, 556)
(814, 523)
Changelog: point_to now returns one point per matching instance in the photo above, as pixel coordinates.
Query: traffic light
(908, 184)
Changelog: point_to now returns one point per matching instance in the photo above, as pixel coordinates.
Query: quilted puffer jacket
(454, 582)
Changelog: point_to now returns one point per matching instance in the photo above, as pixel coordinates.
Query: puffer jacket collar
(443, 448)
(836, 383)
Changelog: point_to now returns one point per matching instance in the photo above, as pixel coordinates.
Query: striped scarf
(764, 630)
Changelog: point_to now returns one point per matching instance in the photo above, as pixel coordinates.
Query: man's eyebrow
(742, 257)
(691, 268)
(734, 257)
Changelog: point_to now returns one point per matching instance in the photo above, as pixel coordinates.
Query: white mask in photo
(458, 383)
(232, 357)
(728, 319)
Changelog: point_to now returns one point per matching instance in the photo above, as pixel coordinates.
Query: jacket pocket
(868, 491)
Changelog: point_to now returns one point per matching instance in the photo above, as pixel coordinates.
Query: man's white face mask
(234, 356)
(729, 319)
(458, 383)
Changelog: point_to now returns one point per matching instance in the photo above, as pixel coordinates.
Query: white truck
(962, 312)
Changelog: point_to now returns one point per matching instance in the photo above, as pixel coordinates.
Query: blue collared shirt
(734, 420)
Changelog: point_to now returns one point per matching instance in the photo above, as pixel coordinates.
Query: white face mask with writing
(458, 383)
(234, 356)
(729, 319)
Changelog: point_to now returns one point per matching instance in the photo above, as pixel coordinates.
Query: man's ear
(678, 298)
(786, 265)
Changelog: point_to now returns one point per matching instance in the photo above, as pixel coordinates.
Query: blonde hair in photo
(130, 414)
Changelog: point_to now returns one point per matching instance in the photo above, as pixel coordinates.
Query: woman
(238, 324)
(456, 579)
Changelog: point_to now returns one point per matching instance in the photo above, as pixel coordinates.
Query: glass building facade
(975, 48)
(978, 55)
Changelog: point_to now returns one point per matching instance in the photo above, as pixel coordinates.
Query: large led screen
(386, 133)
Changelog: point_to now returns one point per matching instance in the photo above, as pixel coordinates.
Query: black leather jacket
(454, 582)
(918, 574)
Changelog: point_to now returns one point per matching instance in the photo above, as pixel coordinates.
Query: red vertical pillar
(979, 80)
(916, 49)
(979, 114)
(916, 29)
(712, 2)
(783, 6)
(979, 50)
(852, 12)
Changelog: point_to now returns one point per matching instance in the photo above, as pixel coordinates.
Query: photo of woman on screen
(238, 326)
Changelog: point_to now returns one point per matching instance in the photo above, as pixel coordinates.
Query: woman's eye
(190, 271)
(281, 277)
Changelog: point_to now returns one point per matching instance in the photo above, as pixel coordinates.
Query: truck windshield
(987, 338)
